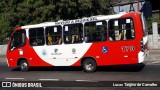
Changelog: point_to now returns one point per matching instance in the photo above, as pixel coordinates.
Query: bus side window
(33, 42)
(73, 33)
(121, 29)
(95, 31)
(54, 35)
(111, 31)
(128, 31)
(36, 36)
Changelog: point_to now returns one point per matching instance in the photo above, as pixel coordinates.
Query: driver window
(18, 39)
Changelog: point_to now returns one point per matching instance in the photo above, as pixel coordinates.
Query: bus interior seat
(121, 35)
(68, 39)
(49, 39)
(60, 41)
(74, 38)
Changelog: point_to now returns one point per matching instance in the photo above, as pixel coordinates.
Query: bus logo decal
(73, 50)
(44, 52)
(104, 49)
(55, 50)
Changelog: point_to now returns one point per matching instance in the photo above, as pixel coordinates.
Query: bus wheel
(24, 66)
(89, 65)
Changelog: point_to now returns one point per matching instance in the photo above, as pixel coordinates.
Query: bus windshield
(18, 39)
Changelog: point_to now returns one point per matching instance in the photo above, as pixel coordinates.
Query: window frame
(109, 30)
(18, 31)
(61, 35)
(106, 31)
(73, 34)
(36, 36)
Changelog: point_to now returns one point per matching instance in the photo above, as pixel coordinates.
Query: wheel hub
(24, 65)
(89, 66)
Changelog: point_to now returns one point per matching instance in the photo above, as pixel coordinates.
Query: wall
(3, 49)
(154, 40)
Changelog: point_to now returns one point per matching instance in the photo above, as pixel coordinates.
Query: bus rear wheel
(24, 66)
(89, 65)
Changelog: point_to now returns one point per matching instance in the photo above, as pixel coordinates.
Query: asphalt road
(139, 72)
(76, 77)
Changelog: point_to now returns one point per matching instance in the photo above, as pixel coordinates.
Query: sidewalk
(153, 58)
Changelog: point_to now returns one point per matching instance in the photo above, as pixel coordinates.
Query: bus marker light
(126, 56)
(20, 52)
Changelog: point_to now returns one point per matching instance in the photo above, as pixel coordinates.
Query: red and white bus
(88, 42)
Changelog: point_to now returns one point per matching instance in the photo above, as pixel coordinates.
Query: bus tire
(24, 66)
(89, 65)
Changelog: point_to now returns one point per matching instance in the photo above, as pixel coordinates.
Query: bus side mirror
(13, 48)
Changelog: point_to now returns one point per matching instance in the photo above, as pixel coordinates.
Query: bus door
(16, 46)
(122, 41)
(73, 43)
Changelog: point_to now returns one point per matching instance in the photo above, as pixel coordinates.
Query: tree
(14, 13)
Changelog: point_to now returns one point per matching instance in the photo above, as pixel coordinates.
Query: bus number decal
(127, 48)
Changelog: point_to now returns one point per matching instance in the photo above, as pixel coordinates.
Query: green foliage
(14, 13)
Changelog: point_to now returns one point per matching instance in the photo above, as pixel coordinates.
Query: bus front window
(18, 39)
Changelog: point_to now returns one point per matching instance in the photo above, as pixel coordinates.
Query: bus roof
(83, 20)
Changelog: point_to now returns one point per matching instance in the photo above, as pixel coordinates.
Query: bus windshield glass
(18, 39)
